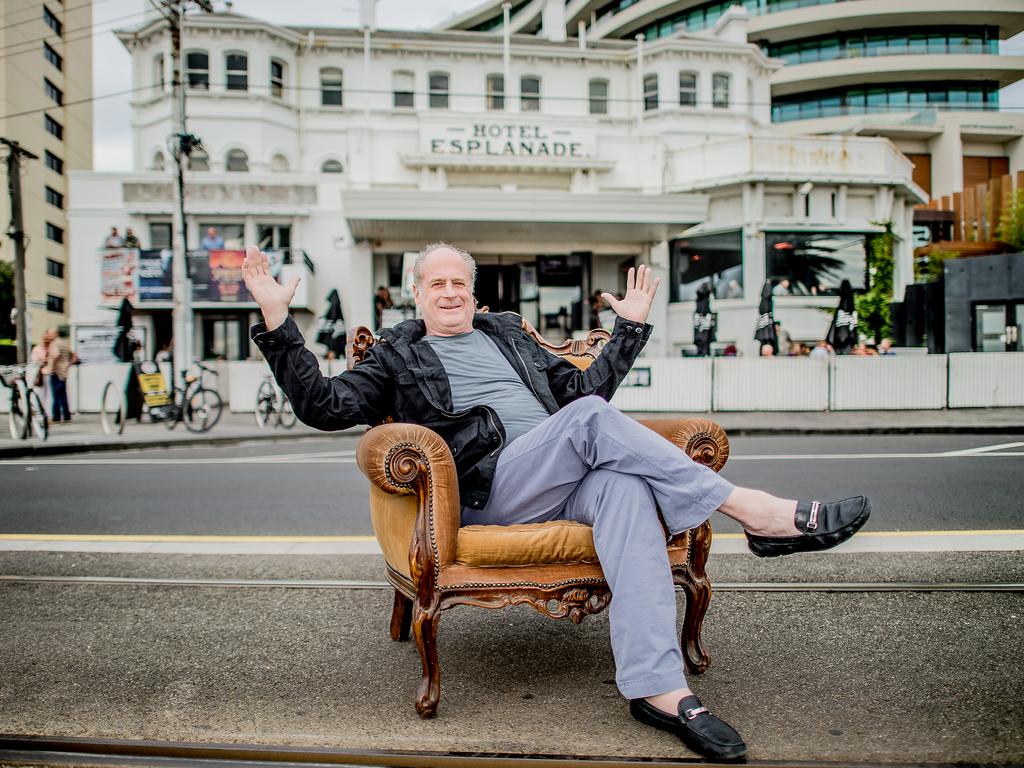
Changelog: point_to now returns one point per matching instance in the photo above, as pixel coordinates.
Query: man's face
(211, 232)
(444, 296)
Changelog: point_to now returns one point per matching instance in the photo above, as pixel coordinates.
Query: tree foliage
(873, 305)
(1011, 222)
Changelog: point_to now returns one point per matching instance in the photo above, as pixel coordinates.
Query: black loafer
(701, 731)
(822, 526)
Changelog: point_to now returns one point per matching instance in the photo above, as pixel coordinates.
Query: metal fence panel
(986, 379)
(888, 382)
(771, 384)
(667, 384)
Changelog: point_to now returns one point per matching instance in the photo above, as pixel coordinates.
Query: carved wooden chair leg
(698, 596)
(424, 627)
(401, 617)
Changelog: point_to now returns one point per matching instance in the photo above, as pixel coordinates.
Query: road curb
(55, 449)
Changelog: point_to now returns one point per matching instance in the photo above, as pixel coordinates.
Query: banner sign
(118, 275)
(217, 275)
(154, 275)
(510, 140)
(96, 345)
(152, 383)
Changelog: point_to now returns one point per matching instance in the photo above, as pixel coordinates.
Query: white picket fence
(700, 385)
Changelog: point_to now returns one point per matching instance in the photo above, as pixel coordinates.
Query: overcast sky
(112, 70)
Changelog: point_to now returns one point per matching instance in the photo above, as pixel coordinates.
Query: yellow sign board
(154, 389)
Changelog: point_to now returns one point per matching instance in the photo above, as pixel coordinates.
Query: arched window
(198, 160)
(529, 93)
(495, 92)
(236, 65)
(438, 90)
(279, 163)
(403, 87)
(277, 73)
(598, 91)
(720, 90)
(650, 92)
(158, 161)
(237, 161)
(331, 87)
(159, 77)
(197, 70)
(687, 89)
(331, 166)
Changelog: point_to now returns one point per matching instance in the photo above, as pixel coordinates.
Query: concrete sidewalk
(85, 434)
(858, 677)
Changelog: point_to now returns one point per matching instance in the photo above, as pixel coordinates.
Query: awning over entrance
(523, 216)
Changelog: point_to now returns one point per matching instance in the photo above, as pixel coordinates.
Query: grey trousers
(593, 464)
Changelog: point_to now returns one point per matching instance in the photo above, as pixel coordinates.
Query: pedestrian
(534, 439)
(822, 350)
(783, 341)
(767, 350)
(39, 357)
(60, 358)
(114, 240)
(381, 301)
(885, 347)
(130, 240)
(211, 241)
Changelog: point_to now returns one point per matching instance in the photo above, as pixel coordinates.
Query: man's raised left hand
(640, 290)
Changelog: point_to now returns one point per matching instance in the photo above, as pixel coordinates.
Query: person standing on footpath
(60, 358)
(39, 357)
(535, 439)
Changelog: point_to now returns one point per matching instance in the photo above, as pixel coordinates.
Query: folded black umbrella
(842, 332)
(704, 321)
(765, 331)
(124, 344)
(331, 329)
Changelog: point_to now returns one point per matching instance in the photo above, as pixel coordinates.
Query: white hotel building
(557, 167)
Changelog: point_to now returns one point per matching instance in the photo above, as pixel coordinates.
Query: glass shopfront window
(696, 260)
(815, 263)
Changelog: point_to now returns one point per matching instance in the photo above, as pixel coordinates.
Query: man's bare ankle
(669, 702)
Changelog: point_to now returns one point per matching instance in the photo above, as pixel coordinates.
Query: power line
(40, 18)
(66, 36)
(74, 103)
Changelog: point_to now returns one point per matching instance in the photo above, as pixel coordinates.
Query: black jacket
(402, 377)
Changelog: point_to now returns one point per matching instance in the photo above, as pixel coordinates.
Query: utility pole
(182, 146)
(17, 233)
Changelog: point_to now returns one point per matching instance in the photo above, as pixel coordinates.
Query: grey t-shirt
(480, 374)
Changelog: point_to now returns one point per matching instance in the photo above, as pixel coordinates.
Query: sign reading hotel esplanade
(507, 140)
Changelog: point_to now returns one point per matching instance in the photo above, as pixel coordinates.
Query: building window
(717, 259)
(198, 160)
(159, 234)
(233, 233)
(908, 97)
(54, 268)
(158, 161)
(53, 127)
(52, 21)
(54, 233)
(159, 78)
(55, 304)
(53, 162)
(56, 94)
(331, 166)
(529, 93)
(331, 88)
(438, 90)
(53, 57)
(650, 92)
(277, 78)
(815, 263)
(276, 237)
(237, 161)
(720, 91)
(54, 198)
(687, 89)
(495, 92)
(403, 89)
(197, 70)
(279, 163)
(236, 65)
(598, 92)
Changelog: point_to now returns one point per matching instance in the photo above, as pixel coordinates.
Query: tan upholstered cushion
(560, 541)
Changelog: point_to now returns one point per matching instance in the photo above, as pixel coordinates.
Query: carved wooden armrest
(410, 459)
(702, 439)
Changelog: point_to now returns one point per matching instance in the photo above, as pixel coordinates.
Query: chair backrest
(579, 352)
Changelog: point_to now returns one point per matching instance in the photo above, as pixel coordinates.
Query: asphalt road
(313, 487)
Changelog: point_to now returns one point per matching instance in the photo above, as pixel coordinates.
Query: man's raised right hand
(272, 296)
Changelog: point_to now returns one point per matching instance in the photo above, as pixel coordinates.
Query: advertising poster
(217, 275)
(118, 275)
(155, 275)
(96, 345)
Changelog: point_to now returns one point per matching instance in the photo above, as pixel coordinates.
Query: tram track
(367, 584)
(79, 751)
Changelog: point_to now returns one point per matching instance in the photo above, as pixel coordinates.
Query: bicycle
(273, 405)
(27, 415)
(193, 404)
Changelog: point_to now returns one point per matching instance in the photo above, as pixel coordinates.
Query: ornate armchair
(434, 564)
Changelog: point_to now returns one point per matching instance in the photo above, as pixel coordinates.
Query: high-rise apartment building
(45, 105)
(926, 75)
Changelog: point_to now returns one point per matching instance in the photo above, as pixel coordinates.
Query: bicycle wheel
(265, 403)
(17, 419)
(286, 416)
(169, 414)
(112, 409)
(39, 424)
(202, 410)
